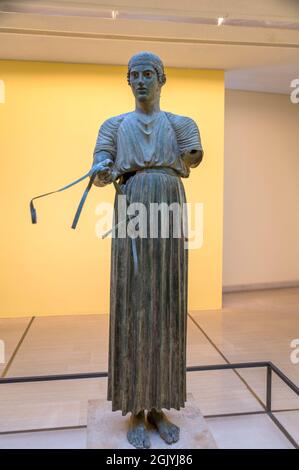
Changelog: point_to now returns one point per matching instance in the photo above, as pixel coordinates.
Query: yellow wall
(48, 126)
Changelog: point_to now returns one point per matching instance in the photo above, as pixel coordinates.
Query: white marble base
(108, 430)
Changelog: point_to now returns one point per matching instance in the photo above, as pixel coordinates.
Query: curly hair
(153, 60)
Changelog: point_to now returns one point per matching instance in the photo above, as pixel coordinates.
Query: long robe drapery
(148, 311)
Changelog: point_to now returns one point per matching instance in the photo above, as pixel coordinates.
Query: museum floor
(252, 326)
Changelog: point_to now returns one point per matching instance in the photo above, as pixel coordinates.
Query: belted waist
(155, 169)
(159, 169)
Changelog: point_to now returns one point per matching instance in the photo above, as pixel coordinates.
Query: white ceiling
(257, 46)
(267, 9)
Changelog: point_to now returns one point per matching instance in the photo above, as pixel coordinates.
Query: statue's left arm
(190, 143)
(193, 157)
(189, 140)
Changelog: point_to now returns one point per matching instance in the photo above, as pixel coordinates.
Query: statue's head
(146, 76)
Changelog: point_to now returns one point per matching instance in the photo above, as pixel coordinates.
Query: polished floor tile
(44, 405)
(11, 331)
(218, 392)
(58, 439)
(282, 396)
(247, 432)
(63, 344)
(257, 326)
(290, 420)
(199, 350)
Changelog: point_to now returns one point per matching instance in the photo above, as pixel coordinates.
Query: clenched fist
(104, 174)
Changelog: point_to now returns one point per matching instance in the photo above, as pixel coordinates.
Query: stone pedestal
(108, 430)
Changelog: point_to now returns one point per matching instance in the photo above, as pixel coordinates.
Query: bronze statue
(148, 151)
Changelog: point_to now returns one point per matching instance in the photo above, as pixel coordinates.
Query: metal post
(269, 389)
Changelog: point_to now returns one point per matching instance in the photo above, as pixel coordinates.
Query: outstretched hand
(104, 174)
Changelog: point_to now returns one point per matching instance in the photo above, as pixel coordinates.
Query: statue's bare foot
(169, 432)
(137, 434)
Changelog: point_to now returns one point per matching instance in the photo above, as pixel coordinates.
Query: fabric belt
(155, 169)
(158, 169)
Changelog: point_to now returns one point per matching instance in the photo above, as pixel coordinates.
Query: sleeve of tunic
(107, 140)
(188, 138)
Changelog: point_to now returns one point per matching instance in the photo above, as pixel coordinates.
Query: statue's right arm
(104, 152)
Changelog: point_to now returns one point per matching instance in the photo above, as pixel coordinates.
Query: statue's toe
(146, 441)
(175, 433)
(139, 438)
(166, 436)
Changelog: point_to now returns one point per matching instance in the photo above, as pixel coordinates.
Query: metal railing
(267, 406)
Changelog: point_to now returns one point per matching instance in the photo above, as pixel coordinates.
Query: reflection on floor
(251, 326)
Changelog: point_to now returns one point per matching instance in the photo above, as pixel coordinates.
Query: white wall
(261, 189)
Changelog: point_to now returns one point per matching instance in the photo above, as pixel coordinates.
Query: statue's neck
(147, 108)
